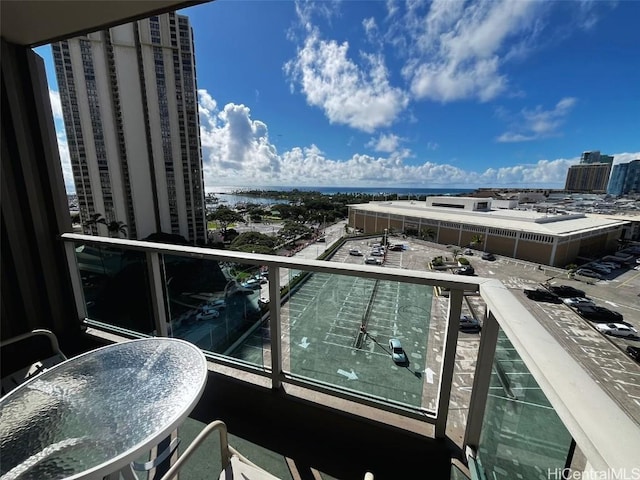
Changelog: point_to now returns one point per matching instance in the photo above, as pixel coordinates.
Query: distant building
(588, 178)
(632, 180)
(616, 182)
(595, 157)
(541, 237)
(129, 100)
(625, 179)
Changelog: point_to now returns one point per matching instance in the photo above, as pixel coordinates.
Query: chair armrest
(206, 431)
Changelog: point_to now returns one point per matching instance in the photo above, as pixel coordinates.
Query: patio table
(94, 414)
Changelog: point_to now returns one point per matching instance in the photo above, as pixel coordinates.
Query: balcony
(524, 401)
(300, 364)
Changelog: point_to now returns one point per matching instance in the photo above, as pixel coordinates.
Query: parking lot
(321, 327)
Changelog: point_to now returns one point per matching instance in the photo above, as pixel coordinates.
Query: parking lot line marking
(628, 280)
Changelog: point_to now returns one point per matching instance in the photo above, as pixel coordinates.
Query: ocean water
(233, 194)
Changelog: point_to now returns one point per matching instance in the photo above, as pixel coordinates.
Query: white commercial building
(551, 239)
(129, 100)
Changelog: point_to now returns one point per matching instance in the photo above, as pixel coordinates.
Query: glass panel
(220, 307)
(116, 287)
(337, 330)
(522, 436)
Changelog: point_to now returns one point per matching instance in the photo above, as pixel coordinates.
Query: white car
(356, 252)
(617, 329)
(251, 283)
(398, 354)
(577, 301)
(207, 314)
(372, 261)
(219, 304)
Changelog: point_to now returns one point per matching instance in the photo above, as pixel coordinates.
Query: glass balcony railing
(522, 436)
(328, 326)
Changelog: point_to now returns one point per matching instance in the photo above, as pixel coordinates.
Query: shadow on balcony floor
(274, 429)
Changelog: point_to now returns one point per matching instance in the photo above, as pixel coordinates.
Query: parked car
(585, 272)
(252, 283)
(598, 314)
(397, 352)
(356, 252)
(377, 252)
(565, 291)
(469, 324)
(617, 329)
(207, 314)
(577, 301)
(542, 295)
(372, 261)
(467, 270)
(321, 239)
(219, 304)
(488, 256)
(600, 269)
(634, 352)
(398, 247)
(611, 265)
(467, 251)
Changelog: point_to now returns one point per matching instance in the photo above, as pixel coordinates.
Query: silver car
(617, 329)
(397, 352)
(577, 301)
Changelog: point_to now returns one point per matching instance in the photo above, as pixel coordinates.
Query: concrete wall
(500, 245)
(534, 252)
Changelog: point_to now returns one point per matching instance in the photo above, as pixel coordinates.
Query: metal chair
(27, 355)
(235, 465)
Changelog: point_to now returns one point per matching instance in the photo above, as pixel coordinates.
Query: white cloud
(234, 145)
(65, 161)
(625, 157)
(385, 143)
(456, 49)
(237, 151)
(61, 137)
(359, 96)
(538, 123)
(56, 105)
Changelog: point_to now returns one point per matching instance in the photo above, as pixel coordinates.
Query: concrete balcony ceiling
(37, 23)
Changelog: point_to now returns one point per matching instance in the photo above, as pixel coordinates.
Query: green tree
(292, 230)
(115, 228)
(225, 217)
(427, 233)
(477, 240)
(455, 252)
(94, 220)
(253, 239)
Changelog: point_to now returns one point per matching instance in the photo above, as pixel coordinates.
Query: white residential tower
(129, 100)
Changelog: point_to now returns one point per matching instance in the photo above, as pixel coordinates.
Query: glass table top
(95, 413)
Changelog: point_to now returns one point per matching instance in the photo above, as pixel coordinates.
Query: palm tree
(477, 240)
(94, 220)
(115, 228)
(427, 233)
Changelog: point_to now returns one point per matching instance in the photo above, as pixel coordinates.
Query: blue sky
(411, 93)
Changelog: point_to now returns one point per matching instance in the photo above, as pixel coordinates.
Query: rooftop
(525, 220)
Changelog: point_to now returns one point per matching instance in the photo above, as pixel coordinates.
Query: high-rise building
(129, 100)
(595, 157)
(616, 182)
(625, 179)
(632, 179)
(588, 178)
